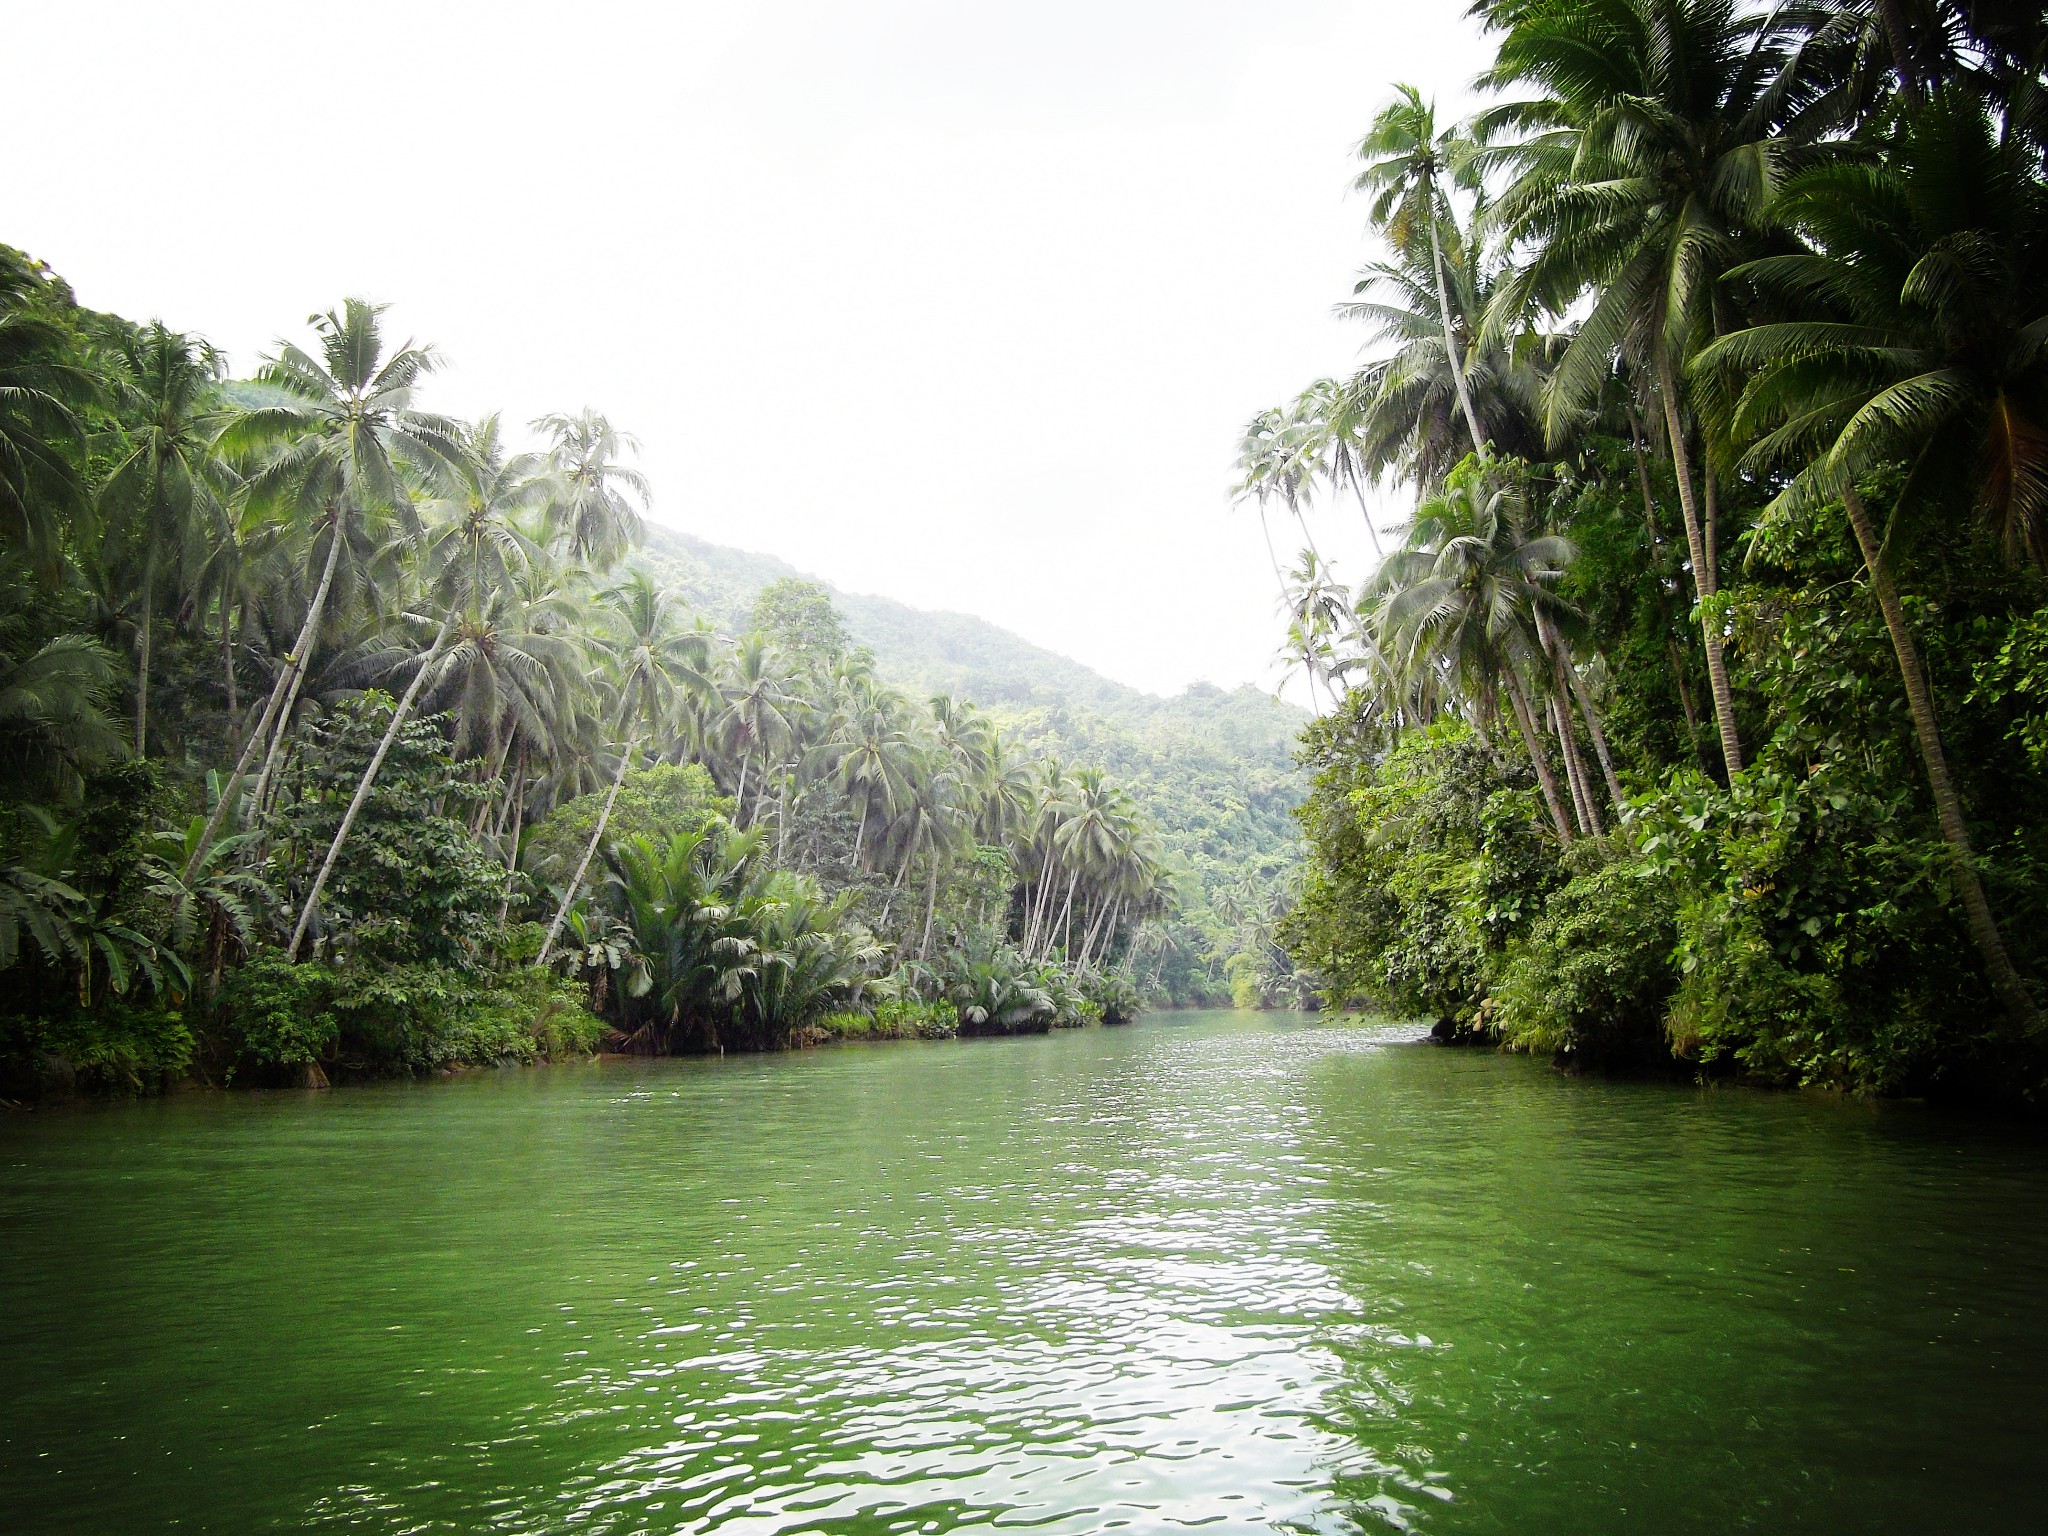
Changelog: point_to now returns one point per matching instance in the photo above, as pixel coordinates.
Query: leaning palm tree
(335, 429)
(1918, 358)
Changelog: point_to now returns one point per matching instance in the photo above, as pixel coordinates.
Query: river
(1228, 1271)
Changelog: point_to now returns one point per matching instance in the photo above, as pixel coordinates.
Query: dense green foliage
(1696, 714)
(337, 736)
(1213, 769)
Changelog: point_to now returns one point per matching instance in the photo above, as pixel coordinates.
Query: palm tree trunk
(1706, 583)
(363, 787)
(1592, 719)
(1569, 687)
(285, 684)
(739, 803)
(1066, 913)
(782, 818)
(1534, 743)
(1443, 311)
(227, 656)
(604, 816)
(931, 907)
(1583, 809)
(2006, 984)
(1366, 512)
(512, 848)
(142, 644)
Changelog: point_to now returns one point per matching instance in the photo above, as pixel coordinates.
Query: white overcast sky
(963, 303)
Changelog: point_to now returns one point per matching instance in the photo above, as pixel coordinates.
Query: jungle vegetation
(1212, 769)
(338, 736)
(1695, 712)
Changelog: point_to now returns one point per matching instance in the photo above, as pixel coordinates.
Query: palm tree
(168, 478)
(755, 715)
(597, 511)
(1407, 161)
(53, 699)
(1457, 599)
(655, 660)
(335, 429)
(42, 445)
(477, 513)
(1660, 130)
(1918, 357)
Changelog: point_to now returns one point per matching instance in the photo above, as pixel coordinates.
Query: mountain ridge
(951, 651)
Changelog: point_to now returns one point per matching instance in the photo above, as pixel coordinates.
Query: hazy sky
(963, 303)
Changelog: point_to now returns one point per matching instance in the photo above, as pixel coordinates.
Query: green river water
(1219, 1271)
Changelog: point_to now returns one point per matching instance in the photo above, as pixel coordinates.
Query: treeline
(337, 735)
(1697, 710)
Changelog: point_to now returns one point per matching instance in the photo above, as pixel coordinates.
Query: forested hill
(1214, 768)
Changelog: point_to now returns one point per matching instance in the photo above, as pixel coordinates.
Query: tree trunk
(512, 848)
(1066, 915)
(1567, 689)
(1443, 311)
(1366, 512)
(604, 816)
(2006, 984)
(1544, 776)
(284, 684)
(1583, 805)
(227, 657)
(363, 787)
(1592, 718)
(142, 647)
(1706, 583)
(931, 907)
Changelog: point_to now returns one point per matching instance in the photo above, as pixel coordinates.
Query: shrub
(395, 1019)
(1592, 978)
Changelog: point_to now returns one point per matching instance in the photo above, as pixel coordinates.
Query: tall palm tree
(335, 430)
(1407, 162)
(1650, 154)
(655, 659)
(1918, 356)
(1456, 600)
(755, 713)
(597, 512)
(168, 479)
(42, 443)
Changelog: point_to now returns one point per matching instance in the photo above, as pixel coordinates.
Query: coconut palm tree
(334, 431)
(1651, 150)
(1917, 356)
(755, 717)
(655, 659)
(1408, 160)
(42, 442)
(165, 489)
(597, 511)
(1456, 602)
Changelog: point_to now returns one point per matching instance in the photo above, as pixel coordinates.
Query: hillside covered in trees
(1696, 711)
(340, 736)
(1216, 771)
